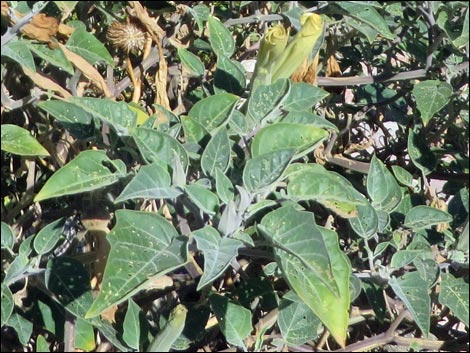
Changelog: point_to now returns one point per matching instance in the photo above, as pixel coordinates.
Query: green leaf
(66, 112)
(151, 182)
(191, 62)
(229, 76)
(303, 138)
(23, 327)
(264, 170)
(234, 319)
(368, 15)
(382, 187)
(264, 102)
(19, 51)
(216, 154)
(143, 245)
(458, 36)
(218, 253)
(55, 56)
(424, 217)
(419, 152)
(48, 237)
(454, 294)
(220, 38)
(117, 114)
(84, 335)
(213, 111)
(224, 187)
(8, 238)
(366, 223)
(193, 130)
(431, 96)
(90, 170)
(328, 188)
(7, 303)
(86, 45)
(308, 118)
(159, 146)
(19, 141)
(313, 264)
(297, 322)
(403, 176)
(302, 96)
(163, 341)
(131, 325)
(413, 291)
(200, 13)
(204, 199)
(41, 344)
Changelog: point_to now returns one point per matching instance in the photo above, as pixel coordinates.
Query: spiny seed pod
(127, 36)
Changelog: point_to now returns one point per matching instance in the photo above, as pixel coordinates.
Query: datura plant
(277, 59)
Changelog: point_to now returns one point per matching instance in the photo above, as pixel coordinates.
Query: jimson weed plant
(242, 175)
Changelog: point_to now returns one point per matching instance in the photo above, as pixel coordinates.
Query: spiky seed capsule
(127, 36)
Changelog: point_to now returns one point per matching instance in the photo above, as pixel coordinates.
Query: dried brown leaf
(41, 28)
(46, 83)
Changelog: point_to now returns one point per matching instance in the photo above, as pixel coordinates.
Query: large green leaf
(234, 319)
(217, 153)
(55, 56)
(313, 264)
(218, 252)
(262, 171)
(328, 188)
(22, 326)
(413, 291)
(431, 96)
(265, 100)
(90, 170)
(420, 153)
(424, 217)
(454, 294)
(366, 223)
(229, 76)
(66, 112)
(193, 130)
(143, 245)
(308, 118)
(116, 114)
(19, 141)
(86, 45)
(382, 187)
(151, 182)
(191, 62)
(302, 96)
(297, 322)
(156, 146)
(304, 138)
(19, 52)
(220, 38)
(84, 335)
(224, 187)
(7, 304)
(49, 236)
(132, 325)
(213, 111)
(204, 199)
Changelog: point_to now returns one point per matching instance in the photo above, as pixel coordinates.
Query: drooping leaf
(382, 187)
(328, 188)
(402, 175)
(191, 62)
(229, 76)
(218, 252)
(264, 170)
(132, 325)
(220, 38)
(8, 238)
(213, 111)
(234, 319)
(424, 217)
(143, 245)
(431, 96)
(313, 264)
(454, 294)
(204, 199)
(22, 326)
(7, 303)
(55, 56)
(89, 47)
(151, 182)
(90, 170)
(413, 291)
(304, 138)
(420, 153)
(224, 186)
(84, 335)
(19, 141)
(19, 52)
(216, 154)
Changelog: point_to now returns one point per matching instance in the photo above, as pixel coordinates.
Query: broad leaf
(66, 112)
(220, 38)
(264, 102)
(431, 96)
(213, 111)
(262, 171)
(191, 62)
(90, 170)
(218, 252)
(424, 217)
(382, 187)
(19, 52)
(413, 291)
(304, 138)
(454, 294)
(19, 141)
(403, 176)
(313, 264)
(151, 182)
(420, 153)
(216, 154)
(7, 304)
(193, 130)
(366, 223)
(204, 199)
(143, 245)
(84, 335)
(86, 45)
(7, 238)
(234, 319)
(55, 56)
(132, 325)
(308, 118)
(229, 76)
(328, 188)
(22, 326)
(302, 96)
(48, 237)
(224, 187)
